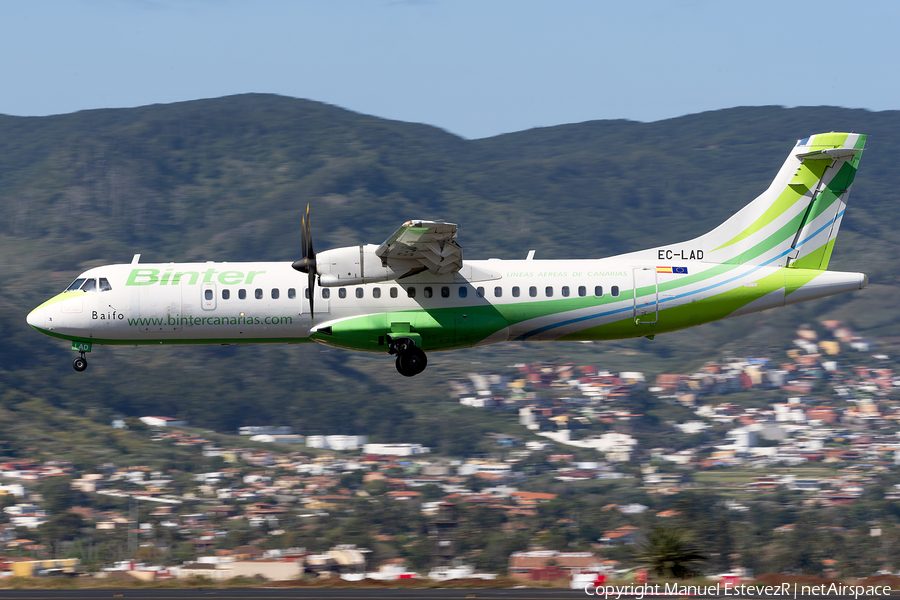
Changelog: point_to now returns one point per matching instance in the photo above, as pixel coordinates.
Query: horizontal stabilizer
(830, 153)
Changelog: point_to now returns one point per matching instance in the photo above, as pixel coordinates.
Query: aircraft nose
(34, 318)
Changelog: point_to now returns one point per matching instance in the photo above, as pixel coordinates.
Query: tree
(352, 480)
(61, 527)
(723, 543)
(431, 492)
(58, 494)
(475, 483)
(377, 487)
(804, 546)
(669, 553)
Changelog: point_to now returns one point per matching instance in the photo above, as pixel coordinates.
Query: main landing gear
(80, 363)
(410, 358)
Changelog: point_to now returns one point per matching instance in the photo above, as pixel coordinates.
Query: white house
(395, 449)
(16, 489)
(265, 430)
(618, 447)
(336, 442)
(163, 422)
(274, 438)
(743, 438)
(477, 466)
(345, 442)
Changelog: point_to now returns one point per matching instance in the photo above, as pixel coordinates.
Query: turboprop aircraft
(414, 293)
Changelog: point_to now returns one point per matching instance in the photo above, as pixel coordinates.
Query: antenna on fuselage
(135, 259)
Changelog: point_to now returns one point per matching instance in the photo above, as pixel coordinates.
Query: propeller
(307, 264)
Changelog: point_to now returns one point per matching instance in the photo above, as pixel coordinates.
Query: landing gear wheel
(412, 362)
(79, 364)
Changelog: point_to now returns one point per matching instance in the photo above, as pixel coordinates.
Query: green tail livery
(414, 293)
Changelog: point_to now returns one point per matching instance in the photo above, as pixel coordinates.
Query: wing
(431, 244)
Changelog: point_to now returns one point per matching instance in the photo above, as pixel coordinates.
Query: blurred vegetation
(228, 179)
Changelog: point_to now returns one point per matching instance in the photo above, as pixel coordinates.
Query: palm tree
(669, 553)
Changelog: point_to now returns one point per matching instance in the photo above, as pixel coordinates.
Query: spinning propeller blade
(307, 263)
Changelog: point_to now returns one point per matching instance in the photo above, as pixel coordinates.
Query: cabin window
(582, 291)
(410, 292)
(359, 292)
(515, 291)
(104, 285)
(427, 292)
(89, 286)
(498, 292)
(292, 293)
(393, 292)
(258, 294)
(445, 292)
(305, 293)
(226, 294)
(208, 294)
(532, 291)
(75, 285)
(275, 293)
(548, 291)
(376, 292)
(479, 292)
(242, 294)
(463, 291)
(598, 290)
(342, 292)
(326, 293)
(565, 291)
(615, 290)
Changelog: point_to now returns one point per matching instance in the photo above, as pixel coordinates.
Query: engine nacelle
(355, 265)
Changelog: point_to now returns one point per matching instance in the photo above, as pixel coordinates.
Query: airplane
(414, 293)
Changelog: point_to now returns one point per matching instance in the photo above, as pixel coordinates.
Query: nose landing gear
(80, 363)
(411, 360)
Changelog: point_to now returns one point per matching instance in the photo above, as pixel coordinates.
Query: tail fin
(793, 223)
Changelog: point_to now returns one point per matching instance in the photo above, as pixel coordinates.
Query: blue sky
(473, 67)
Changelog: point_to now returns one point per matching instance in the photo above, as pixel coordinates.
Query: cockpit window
(75, 284)
(104, 285)
(89, 286)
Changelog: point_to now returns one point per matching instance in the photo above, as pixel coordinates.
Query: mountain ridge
(229, 178)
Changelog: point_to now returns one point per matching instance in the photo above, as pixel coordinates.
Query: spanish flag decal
(674, 270)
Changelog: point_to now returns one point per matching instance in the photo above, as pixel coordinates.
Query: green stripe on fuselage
(698, 312)
(147, 341)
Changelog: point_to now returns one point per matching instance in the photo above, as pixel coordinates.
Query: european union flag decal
(673, 270)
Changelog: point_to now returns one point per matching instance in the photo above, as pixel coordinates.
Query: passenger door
(646, 295)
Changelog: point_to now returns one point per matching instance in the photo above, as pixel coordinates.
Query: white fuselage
(266, 301)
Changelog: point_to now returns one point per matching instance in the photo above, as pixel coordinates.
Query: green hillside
(228, 179)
